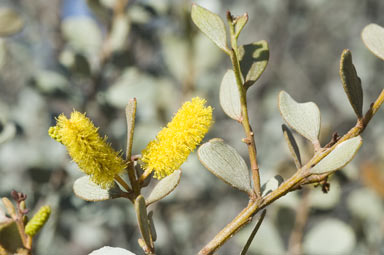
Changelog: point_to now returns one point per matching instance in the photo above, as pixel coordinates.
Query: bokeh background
(94, 56)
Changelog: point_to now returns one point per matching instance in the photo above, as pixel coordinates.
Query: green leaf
(339, 157)
(226, 163)
(142, 220)
(85, 189)
(164, 187)
(351, 82)
(271, 185)
(302, 117)
(10, 238)
(211, 25)
(240, 22)
(230, 96)
(373, 38)
(292, 145)
(10, 22)
(253, 60)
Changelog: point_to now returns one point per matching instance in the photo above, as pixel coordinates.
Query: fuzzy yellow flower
(175, 142)
(93, 154)
(38, 220)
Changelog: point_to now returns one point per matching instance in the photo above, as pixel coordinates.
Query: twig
(303, 175)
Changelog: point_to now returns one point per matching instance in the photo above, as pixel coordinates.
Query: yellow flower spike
(38, 220)
(94, 156)
(175, 142)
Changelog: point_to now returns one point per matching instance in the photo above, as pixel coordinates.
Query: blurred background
(94, 56)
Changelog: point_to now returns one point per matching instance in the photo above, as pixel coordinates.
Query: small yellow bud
(175, 142)
(93, 154)
(38, 220)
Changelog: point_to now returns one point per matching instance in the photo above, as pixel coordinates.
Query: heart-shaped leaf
(142, 220)
(292, 145)
(164, 187)
(211, 25)
(339, 157)
(226, 163)
(10, 22)
(351, 82)
(85, 189)
(230, 96)
(253, 60)
(302, 117)
(373, 38)
(271, 185)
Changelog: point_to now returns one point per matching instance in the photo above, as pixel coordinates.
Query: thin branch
(302, 176)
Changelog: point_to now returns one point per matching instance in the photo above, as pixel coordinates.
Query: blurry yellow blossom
(175, 142)
(38, 220)
(93, 154)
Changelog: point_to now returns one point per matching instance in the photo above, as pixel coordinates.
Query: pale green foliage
(226, 163)
(230, 96)
(85, 189)
(164, 187)
(339, 157)
(302, 117)
(373, 37)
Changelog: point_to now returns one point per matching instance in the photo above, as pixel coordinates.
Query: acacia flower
(175, 142)
(93, 154)
(38, 220)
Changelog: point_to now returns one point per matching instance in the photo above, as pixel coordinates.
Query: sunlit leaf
(230, 96)
(339, 157)
(351, 82)
(373, 38)
(271, 185)
(106, 250)
(85, 189)
(164, 187)
(302, 117)
(226, 163)
(211, 25)
(253, 60)
(10, 22)
(292, 145)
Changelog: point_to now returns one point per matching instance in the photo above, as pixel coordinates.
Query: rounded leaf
(339, 157)
(164, 187)
(373, 38)
(10, 22)
(351, 82)
(211, 25)
(230, 96)
(85, 189)
(226, 163)
(302, 117)
(330, 236)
